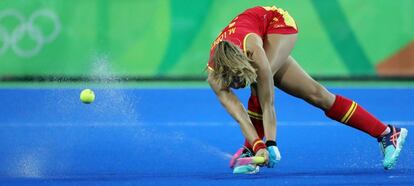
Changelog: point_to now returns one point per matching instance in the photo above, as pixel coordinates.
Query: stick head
(250, 160)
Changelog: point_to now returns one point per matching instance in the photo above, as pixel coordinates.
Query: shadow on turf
(317, 173)
(226, 175)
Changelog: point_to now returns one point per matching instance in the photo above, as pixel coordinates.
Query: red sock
(350, 113)
(255, 113)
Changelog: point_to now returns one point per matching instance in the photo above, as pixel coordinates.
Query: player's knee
(318, 96)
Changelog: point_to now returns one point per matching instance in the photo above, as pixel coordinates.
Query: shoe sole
(400, 144)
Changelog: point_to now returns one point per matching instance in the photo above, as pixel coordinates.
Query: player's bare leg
(278, 48)
(292, 79)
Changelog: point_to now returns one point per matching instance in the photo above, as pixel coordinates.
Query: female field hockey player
(255, 49)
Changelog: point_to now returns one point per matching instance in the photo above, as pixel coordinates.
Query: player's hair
(230, 63)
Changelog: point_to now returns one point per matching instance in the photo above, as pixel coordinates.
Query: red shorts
(258, 20)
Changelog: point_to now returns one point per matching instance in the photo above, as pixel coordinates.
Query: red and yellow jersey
(258, 20)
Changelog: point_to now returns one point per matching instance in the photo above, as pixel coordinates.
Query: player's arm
(266, 96)
(264, 85)
(235, 108)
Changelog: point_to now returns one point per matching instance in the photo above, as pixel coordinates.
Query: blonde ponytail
(230, 63)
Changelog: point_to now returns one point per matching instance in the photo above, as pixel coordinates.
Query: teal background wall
(172, 37)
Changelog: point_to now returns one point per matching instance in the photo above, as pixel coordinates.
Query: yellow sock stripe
(255, 115)
(257, 118)
(348, 112)
(257, 142)
(352, 113)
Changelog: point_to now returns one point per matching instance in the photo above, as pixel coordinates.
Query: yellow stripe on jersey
(270, 8)
(289, 21)
(348, 113)
(244, 43)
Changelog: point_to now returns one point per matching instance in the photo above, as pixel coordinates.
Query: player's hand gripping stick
(274, 154)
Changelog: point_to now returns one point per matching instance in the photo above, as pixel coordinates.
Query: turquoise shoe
(391, 145)
(246, 169)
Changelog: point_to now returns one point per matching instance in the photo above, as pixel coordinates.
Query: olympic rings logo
(27, 28)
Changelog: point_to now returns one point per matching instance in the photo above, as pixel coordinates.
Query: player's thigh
(278, 48)
(292, 79)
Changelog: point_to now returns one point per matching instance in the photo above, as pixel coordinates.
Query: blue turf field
(184, 137)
